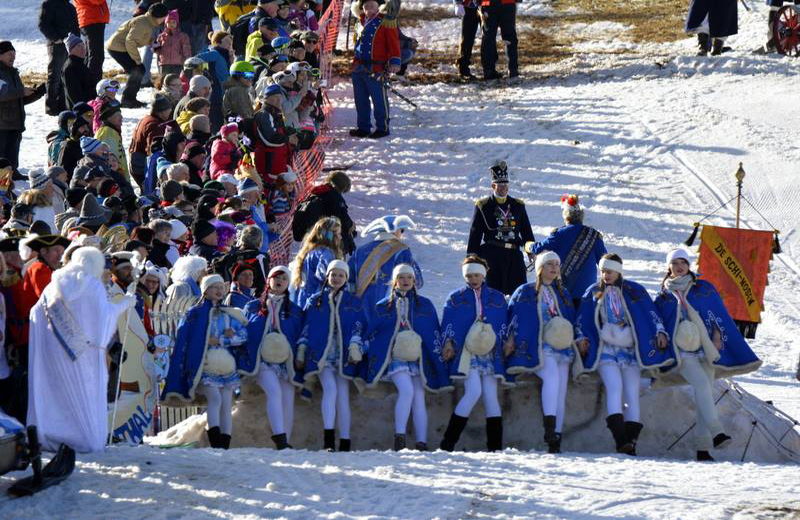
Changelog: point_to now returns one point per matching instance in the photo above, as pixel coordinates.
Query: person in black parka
(76, 76)
(57, 20)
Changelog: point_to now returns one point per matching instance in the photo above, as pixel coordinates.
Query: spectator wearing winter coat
(70, 152)
(56, 138)
(303, 17)
(236, 102)
(93, 16)
(199, 86)
(58, 176)
(194, 157)
(75, 75)
(124, 45)
(13, 98)
(291, 98)
(267, 31)
(172, 46)
(106, 90)
(172, 89)
(310, 41)
(230, 10)
(333, 205)
(57, 19)
(148, 128)
(194, 107)
(219, 57)
(40, 198)
(224, 152)
(94, 166)
(172, 146)
(205, 240)
(110, 133)
(271, 142)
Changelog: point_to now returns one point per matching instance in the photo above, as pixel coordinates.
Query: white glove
(459, 10)
(355, 353)
(301, 354)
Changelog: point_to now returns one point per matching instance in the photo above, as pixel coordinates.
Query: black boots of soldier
(552, 438)
(453, 432)
(703, 44)
(280, 441)
(217, 439)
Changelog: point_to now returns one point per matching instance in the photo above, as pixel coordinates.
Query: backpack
(308, 212)
(240, 30)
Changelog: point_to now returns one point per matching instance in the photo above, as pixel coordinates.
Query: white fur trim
(388, 224)
(611, 265)
(275, 348)
(220, 362)
(559, 333)
(280, 269)
(403, 269)
(687, 336)
(481, 338)
(472, 268)
(544, 257)
(678, 253)
(407, 346)
(338, 264)
(208, 281)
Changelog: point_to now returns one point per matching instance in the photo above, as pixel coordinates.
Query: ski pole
(744, 4)
(695, 423)
(396, 93)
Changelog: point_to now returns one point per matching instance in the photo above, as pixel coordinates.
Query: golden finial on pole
(739, 180)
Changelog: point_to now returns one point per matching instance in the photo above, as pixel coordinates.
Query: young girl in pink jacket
(172, 46)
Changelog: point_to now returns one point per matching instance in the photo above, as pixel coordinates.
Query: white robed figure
(71, 327)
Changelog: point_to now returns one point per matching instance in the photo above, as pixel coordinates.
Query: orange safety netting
(307, 164)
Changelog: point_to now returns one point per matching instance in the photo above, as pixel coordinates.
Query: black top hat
(499, 172)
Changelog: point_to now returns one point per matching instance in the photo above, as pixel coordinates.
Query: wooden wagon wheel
(786, 30)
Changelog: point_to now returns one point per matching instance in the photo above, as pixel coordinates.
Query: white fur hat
(675, 254)
(338, 264)
(210, 280)
(403, 269)
(388, 224)
(279, 269)
(544, 257)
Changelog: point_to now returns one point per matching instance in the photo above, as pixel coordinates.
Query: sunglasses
(111, 89)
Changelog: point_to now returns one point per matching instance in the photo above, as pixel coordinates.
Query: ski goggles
(113, 86)
(315, 73)
(248, 75)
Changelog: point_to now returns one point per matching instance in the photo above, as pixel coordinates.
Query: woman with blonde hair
(320, 246)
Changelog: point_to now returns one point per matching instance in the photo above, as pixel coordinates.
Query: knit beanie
(90, 145)
(200, 123)
(75, 196)
(72, 41)
(201, 229)
(161, 103)
(170, 190)
(228, 129)
(6, 46)
(193, 149)
(198, 83)
(109, 111)
(37, 179)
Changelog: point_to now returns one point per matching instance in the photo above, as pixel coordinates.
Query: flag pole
(739, 180)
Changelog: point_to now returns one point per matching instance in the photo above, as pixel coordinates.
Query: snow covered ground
(650, 140)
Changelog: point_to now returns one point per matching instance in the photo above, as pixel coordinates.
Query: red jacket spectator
(92, 11)
(172, 44)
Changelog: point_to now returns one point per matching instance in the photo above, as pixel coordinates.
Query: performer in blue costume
(473, 322)
(620, 334)
(541, 340)
(578, 246)
(208, 357)
(320, 246)
(273, 328)
(706, 343)
(330, 348)
(371, 265)
(404, 350)
(241, 292)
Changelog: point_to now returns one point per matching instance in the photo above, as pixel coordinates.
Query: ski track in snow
(650, 142)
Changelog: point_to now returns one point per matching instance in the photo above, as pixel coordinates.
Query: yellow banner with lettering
(736, 261)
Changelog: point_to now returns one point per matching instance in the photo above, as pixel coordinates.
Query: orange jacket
(92, 12)
(37, 277)
(486, 3)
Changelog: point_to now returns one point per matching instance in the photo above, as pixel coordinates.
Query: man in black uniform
(500, 227)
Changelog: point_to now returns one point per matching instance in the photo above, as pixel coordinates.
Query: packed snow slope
(650, 143)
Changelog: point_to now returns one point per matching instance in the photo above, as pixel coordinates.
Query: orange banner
(736, 261)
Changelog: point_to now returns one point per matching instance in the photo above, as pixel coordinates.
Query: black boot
(344, 444)
(421, 446)
(555, 446)
(704, 456)
(224, 441)
(453, 432)
(213, 437)
(399, 441)
(329, 440)
(616, 423)
(280, 441)
(721, 440)
(632, 431)
(703, 44)
(717, 48)
(494, 433)
(770, 46)
(552, 438)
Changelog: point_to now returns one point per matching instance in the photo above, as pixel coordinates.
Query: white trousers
(700, 375)
(410, 398)
(622, 387)
(475, 386)
(280, 401)
(554, 374)
(335, 401)
(220, 406)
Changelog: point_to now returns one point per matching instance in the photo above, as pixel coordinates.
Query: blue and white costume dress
(276, 379)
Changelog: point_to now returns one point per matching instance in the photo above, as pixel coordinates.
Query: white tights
(554, 374)
(335, 401)
(622, 386)
(475, 386)
(410, 397)
(220, 406)
(280, 401)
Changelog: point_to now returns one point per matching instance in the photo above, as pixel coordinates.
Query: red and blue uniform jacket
(378, 45)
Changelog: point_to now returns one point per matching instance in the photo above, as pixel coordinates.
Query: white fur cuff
(472, 268)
